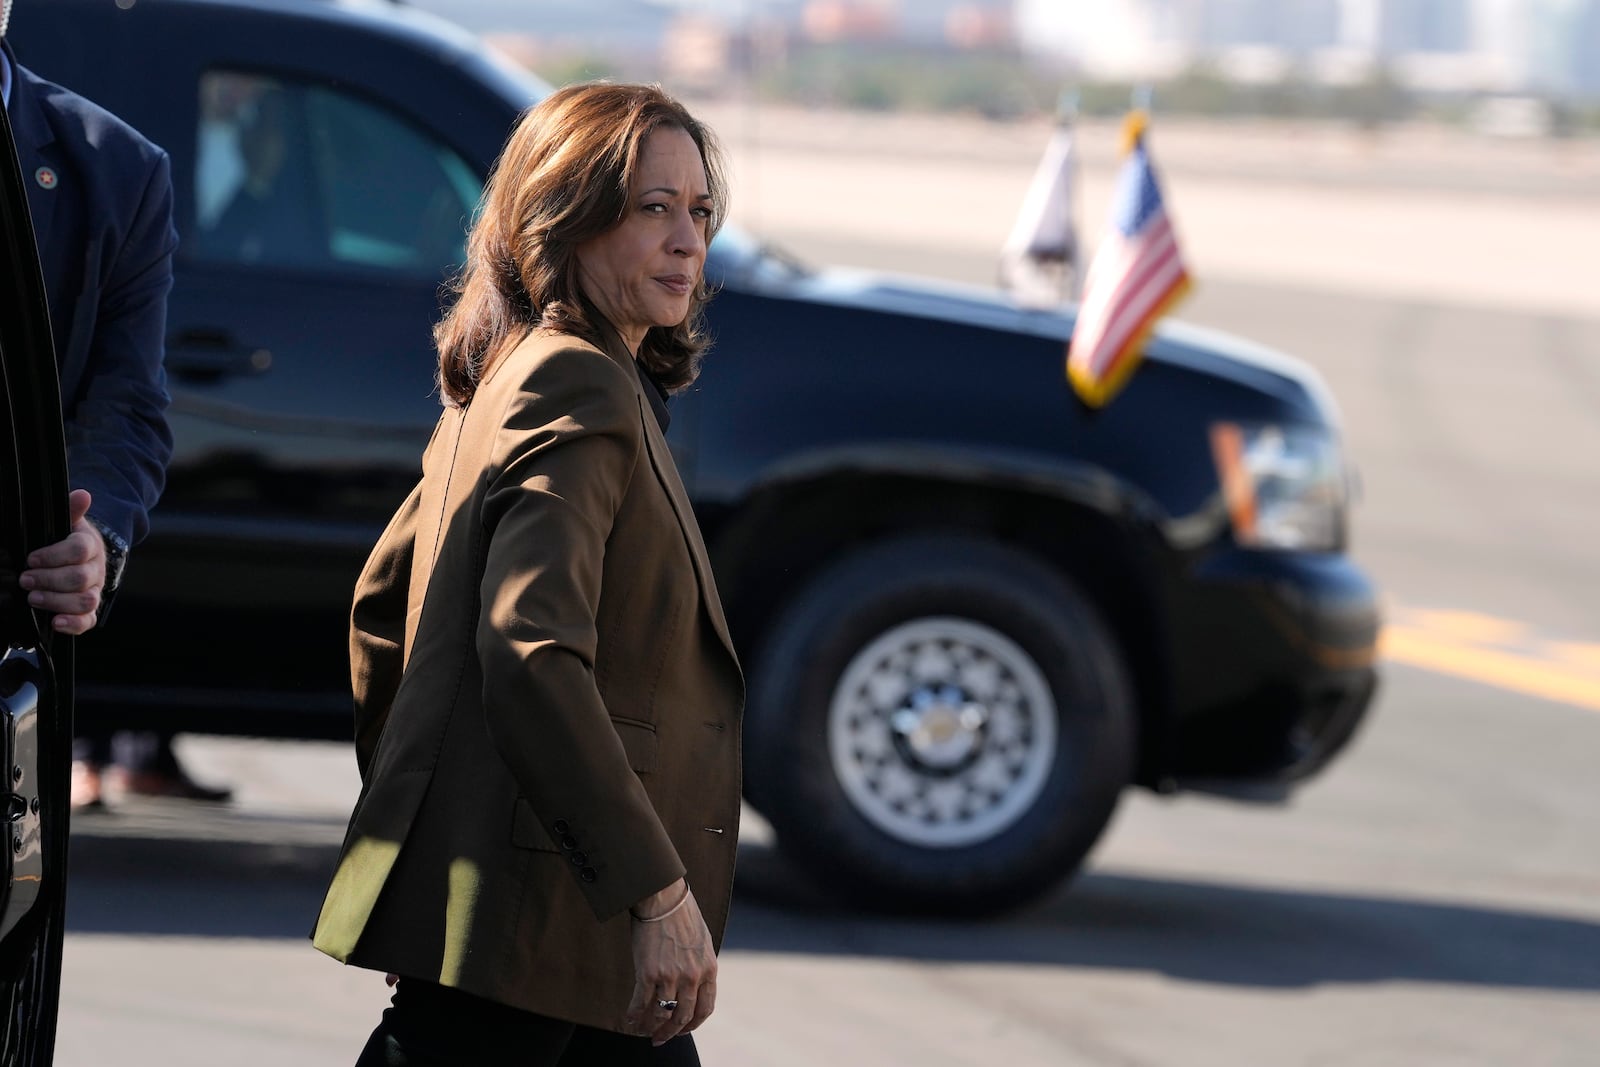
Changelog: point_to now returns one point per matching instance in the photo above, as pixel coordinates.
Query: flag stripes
(1137, 275)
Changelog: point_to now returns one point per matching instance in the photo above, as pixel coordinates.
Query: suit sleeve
(569, 444)
(378, 627)
(118, 441)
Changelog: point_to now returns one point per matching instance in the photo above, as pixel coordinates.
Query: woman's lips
(678, 283)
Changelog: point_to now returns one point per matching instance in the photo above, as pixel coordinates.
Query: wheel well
(767, 550)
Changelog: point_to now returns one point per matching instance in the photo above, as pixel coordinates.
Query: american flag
(1136, 277)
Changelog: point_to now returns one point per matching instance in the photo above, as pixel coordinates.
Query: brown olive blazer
(547, 699)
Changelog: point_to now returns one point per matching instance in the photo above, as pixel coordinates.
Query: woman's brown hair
(562, 179)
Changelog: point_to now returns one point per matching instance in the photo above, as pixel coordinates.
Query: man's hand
(66, 578)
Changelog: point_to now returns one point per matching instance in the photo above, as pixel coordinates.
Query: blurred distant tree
(563, 70)
(1376, 100)
(1448, 110)
(869, 90)
(1001, 84)
(1294, 96)
(994, 84)
(1106, 99)
(1200, 90)
(1566, 119)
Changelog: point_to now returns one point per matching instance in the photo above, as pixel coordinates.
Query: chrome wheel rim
(942, 732)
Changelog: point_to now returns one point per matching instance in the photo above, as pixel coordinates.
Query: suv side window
(298, 175)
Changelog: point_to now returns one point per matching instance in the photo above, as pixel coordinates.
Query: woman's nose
(688, 239)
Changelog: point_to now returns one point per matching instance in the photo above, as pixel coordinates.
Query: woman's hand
(673, 961)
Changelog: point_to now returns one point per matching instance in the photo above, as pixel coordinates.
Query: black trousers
(133, 750)
(428, 1025)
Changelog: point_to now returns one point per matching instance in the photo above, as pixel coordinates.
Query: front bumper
(1275, 669)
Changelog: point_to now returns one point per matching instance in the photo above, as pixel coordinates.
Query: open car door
(35, 662)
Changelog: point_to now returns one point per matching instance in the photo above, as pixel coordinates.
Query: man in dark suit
(101, 201)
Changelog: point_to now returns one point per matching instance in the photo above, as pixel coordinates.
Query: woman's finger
(636, 1017)
(705, 1003)
(671, 1023)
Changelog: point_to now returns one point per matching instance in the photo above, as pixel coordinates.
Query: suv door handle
(207, 355)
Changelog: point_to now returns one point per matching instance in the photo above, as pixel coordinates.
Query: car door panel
(35, 663)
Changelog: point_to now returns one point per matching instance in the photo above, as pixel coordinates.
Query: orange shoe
(177, 786)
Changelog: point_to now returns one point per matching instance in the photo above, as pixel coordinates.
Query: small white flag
(1039, 262)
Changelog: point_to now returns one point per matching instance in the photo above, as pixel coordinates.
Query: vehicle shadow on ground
(181, 870)
(266, 881)
(1194, 931)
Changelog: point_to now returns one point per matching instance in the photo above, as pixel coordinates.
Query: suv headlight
(1285, 486)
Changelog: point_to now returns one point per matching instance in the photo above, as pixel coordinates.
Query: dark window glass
(305, 177)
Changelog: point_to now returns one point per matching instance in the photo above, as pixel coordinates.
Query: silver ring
(667, 1005)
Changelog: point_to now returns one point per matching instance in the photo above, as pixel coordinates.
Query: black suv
(971, 610)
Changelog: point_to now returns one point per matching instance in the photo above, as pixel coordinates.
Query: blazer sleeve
(378, 627)
(118, 441)
(567, 449)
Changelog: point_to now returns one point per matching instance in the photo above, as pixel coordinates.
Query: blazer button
(588, 874)
(569, 842)
(579, 859)
(561, 827)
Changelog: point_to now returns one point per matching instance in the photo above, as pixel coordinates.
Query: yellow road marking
(1585, 656)
(1470, 626)
(1567, 683)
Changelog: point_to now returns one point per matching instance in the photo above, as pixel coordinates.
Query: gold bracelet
(657, 918)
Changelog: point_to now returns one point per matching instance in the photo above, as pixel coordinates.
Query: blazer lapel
(33, 134)
(667, 474)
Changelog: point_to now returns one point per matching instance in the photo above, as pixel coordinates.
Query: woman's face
(644, 272)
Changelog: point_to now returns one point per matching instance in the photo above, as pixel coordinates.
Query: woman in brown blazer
(547, 699)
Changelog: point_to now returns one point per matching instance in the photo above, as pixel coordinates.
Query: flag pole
(1138, 120)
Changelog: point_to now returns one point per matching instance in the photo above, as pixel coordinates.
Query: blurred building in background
(958, 23)
(884, 53)
(1430, 45)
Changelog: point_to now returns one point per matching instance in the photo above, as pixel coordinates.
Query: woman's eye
(655, 209)
(702, 213)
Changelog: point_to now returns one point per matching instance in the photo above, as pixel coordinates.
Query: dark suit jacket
(101, 200)
(547, 699)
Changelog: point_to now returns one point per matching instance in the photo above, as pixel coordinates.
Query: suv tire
(939, 723)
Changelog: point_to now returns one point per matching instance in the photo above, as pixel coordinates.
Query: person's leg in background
(91, 754)
(144, 764)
